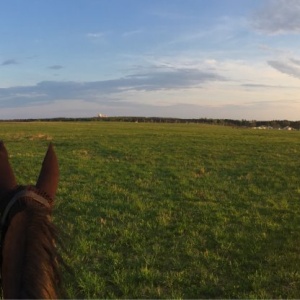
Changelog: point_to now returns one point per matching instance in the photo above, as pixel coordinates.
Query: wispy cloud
(132, 33)
(172, 79)
(95, 35)
(264, 86)
(295, 61)
(9, 62)
(32, 57)
(222, 32)
(56, 67)
(174, 16)
(155, 80)
(278, 17)
(290, 67)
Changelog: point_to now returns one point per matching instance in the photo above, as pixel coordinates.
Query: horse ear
(49, 175)
(7, 177)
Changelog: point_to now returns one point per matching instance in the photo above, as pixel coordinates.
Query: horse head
(29, 258)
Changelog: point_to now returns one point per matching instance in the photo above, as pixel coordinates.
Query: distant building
(263, 127)
(102, 116)
(288, 128)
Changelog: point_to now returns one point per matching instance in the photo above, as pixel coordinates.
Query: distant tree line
(224, 122)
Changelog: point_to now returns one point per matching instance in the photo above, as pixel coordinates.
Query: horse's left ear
(49, 175)
(7, 177)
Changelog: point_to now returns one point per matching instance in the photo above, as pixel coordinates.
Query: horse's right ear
(7, 177)
(49, 175)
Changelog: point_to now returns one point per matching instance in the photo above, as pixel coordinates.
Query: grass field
(171, 211)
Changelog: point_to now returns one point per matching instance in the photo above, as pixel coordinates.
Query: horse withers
(29, 259)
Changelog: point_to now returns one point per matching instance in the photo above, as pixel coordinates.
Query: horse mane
(40, 275)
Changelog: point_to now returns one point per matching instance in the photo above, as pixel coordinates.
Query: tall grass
(169, 210)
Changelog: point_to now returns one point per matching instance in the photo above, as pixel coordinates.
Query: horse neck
(29, 259)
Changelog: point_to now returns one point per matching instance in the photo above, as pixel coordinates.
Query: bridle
(4, 221)
(22, 194)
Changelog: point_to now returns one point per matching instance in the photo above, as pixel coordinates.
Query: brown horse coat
(29, 256)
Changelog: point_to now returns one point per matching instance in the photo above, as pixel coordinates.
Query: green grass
(169, 210)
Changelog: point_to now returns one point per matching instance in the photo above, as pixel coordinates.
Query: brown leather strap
(24, 193)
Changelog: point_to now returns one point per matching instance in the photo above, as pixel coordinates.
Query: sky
(236, 59)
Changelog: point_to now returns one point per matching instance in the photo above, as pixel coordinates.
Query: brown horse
(29, 262)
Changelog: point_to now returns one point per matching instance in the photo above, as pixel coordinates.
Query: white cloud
(278, 17)
(96, 35)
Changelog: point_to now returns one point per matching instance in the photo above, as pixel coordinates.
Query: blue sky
(236, 59)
